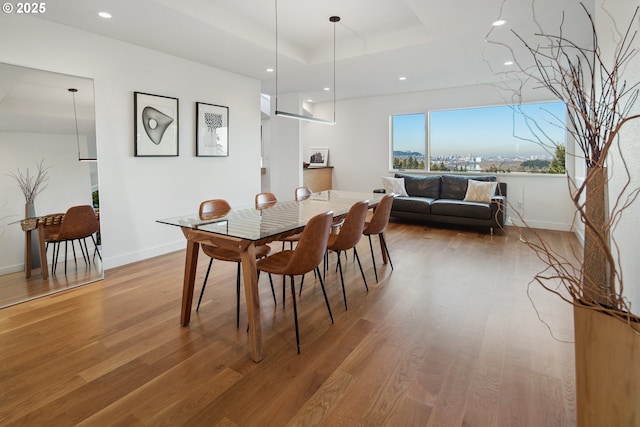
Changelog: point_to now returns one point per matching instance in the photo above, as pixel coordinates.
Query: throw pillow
(394, 185)
(478, 191)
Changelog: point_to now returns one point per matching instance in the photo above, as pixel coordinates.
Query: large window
(526, 138)
(408, 144)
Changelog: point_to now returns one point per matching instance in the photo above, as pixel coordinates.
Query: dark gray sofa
(439, 198)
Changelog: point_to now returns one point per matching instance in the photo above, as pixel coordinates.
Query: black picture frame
(156, 125)
(212, 130)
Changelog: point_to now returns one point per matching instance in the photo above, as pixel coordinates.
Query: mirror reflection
(46, 126)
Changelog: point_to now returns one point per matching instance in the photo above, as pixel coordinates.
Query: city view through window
(527, 139)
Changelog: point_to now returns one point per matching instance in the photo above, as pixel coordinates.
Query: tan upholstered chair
(349, 236)
(377, 225)
(78, 223)
(304, 258)
(218, 208)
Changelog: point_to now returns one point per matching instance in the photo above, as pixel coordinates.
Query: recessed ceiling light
(402, 78)
(309, 100)
(498, 22)
(508, 63)
(105, 15)
(327, 88)
(269, 70)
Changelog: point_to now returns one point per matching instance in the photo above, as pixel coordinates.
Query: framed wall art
(156, 125)
(212, 130)
(318, 157)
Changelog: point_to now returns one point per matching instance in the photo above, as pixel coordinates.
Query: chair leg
(373, 258)
(302, 283)
(344, 293)
(355, 253)
(85, 253)
(65, 257)
(204, 284)
(73, 248)
(295, 312)
(95, 251)
(273, 292)
(386, 249)
(324, 292)
(56, 251)
(284, 288)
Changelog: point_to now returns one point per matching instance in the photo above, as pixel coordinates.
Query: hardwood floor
(16, 288)
(448, 338)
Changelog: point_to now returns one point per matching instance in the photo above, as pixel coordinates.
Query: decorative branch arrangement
(599, 103)
(31, 185)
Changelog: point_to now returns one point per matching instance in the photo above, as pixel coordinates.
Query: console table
(318, 178)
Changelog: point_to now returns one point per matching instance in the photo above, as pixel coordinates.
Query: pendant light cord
(75, 115)
(276, 3)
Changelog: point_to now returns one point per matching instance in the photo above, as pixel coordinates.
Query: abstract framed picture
(212, 130)
(318, 157)
(156, 125)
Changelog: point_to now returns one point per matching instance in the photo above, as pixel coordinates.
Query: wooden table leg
(250, 278)
(27, 253)
(190, 265)
(44, 267)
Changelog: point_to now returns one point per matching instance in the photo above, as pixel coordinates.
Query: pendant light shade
(334, 20)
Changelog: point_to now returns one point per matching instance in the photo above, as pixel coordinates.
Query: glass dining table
(242, 230)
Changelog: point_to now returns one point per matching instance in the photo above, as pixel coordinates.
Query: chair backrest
(214, 208)
(312, 245)
(79, 222)
(380, 218)
(265, 200)
(352, 228)
(303, 193)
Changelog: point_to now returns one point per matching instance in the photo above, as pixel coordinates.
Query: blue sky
(481, 131)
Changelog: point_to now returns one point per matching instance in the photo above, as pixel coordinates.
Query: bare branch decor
(32, 185)
(599, 102)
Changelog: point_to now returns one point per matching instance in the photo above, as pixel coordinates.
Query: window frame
(428, 143)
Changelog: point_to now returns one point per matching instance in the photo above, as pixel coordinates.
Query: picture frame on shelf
(155, 125)
(318, 157)
(212, 130)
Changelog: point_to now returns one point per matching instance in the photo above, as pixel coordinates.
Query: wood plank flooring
(450, 337)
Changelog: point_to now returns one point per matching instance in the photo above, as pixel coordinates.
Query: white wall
(626, 233)
(136, 191)
(284, 164)
(359, 148)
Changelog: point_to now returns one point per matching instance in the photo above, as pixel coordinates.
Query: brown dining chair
(265, 200)
(218, 208)
(349, 236)
(78, 223)
(377, 225)
(306, 257)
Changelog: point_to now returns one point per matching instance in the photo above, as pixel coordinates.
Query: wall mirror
(41, 121)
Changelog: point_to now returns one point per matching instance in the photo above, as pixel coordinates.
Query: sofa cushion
(394, 185)
(455, 186)
(421, 185)
(459, 208)
(421, 205)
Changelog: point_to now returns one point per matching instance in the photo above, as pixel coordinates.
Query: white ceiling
(433, 43)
